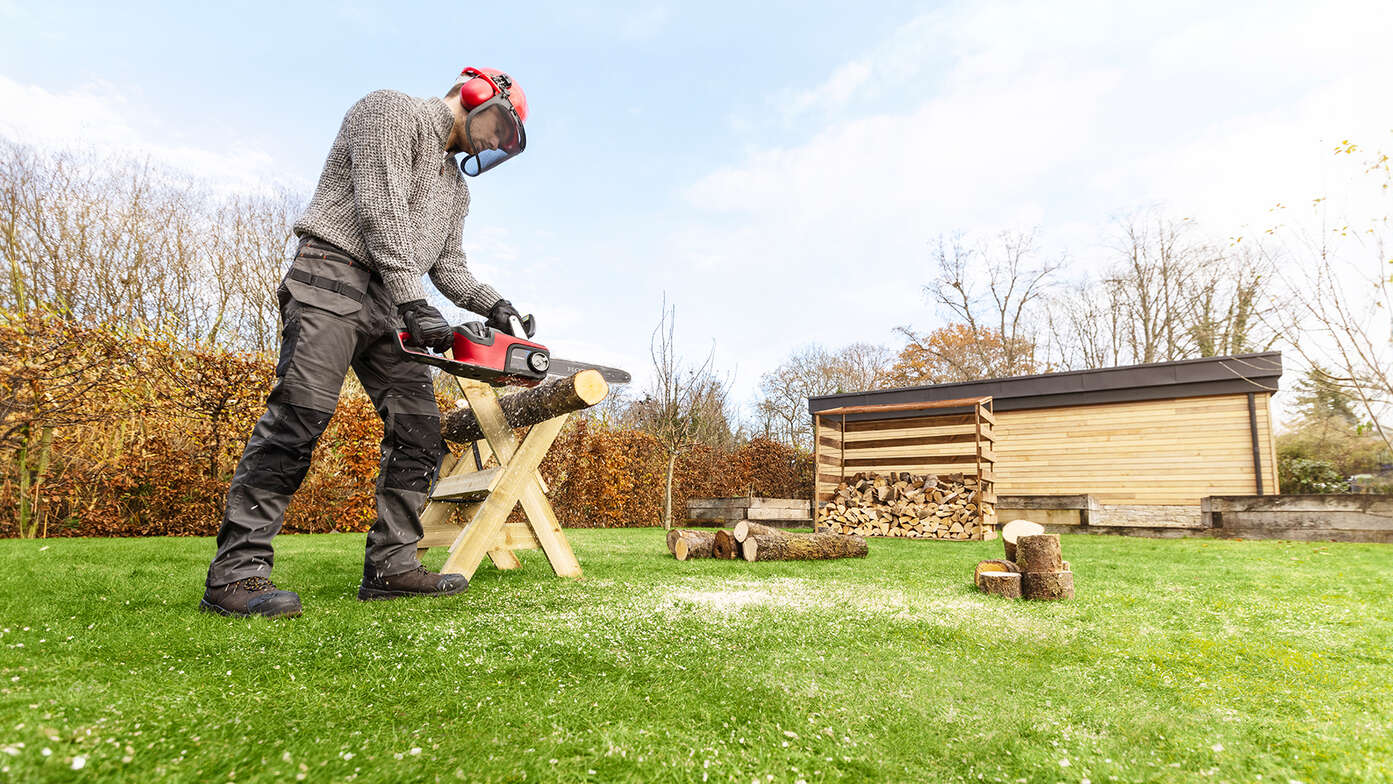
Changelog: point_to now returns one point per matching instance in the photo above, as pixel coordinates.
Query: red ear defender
(476, 90)
(487, 83)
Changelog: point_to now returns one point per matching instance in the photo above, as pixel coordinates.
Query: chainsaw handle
(518, 325)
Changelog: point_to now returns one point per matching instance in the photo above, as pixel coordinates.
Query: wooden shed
(1132, 438)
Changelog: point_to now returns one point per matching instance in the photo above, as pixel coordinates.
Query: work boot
(417, 582)
(251, 596)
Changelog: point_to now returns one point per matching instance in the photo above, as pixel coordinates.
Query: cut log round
(724, 546)
(745, 528)
(530, 406)
(802, 547)
(1047, 585)
(991, 566)
(673, 535)
(1039, 553)
(1014, 530)
(1007, 584)
(694, 544)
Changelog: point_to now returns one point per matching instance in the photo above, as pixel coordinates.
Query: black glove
(502, 311)
(427, 328)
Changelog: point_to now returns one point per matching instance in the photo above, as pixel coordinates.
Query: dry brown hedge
(105, 432)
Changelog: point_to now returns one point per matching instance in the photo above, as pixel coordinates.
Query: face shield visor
(495, 133)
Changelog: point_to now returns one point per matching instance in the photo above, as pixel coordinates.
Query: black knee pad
(282, 450)
(411, 451)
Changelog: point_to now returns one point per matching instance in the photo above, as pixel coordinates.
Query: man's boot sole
(366, 594)
(208, 607)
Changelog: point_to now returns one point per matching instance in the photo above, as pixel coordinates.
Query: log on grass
(724, 546)
(1047, 585)
(745, 528)
(992, 566)
(1007, 584)
(531, 406)
(673, 535)
(802, 547)
(694, 544)
(1014, 530)
(1039, 553)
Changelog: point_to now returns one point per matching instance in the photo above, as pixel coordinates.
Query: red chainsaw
(497, 358)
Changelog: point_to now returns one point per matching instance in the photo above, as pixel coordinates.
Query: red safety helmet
(497, 108)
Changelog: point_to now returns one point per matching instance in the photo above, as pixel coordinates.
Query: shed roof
(1155, 381)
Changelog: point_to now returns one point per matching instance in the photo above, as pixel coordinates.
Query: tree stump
(1015, 529)
(1039, 553)
(1047, 585)
(992, 566)
(802, 547)
(694, 544)
(1007, 584)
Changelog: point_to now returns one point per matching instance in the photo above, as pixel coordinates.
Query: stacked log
(1016, 529)
(912, 506)
(1034, 567)
(1044, 572)
(755, 542)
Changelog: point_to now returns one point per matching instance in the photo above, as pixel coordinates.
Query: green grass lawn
(1181, 660)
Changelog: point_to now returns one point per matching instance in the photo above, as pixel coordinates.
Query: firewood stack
(755, 542)
(914, 506)
(1034, 567)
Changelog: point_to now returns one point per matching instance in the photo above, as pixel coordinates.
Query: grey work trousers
(335, 314)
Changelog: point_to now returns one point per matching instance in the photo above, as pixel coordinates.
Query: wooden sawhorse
(484, 497)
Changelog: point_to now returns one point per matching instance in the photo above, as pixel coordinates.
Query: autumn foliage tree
(958, 352)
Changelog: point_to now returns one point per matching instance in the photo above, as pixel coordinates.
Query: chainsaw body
(486, 354)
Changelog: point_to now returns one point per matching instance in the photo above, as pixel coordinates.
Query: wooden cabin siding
(1153, 452)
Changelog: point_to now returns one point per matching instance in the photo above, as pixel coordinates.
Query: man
(389, 207)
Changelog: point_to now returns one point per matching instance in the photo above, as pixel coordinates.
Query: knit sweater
(392, 198)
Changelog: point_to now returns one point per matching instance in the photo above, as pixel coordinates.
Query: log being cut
(802, 547)
(912, 506)
(531, 406)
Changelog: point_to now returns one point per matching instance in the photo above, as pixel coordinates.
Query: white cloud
(99, 116)
(1007, 114)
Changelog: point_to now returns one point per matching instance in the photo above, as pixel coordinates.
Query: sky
(777, 170)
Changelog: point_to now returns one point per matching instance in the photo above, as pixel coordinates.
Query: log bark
(1014, 530)
(673, 535)
(1039, 553)
(992, 566)
(724, 546)
(1047, 585)
(694, 544)
(530, 406)
(802, 547)
(1007, 584)
(745, 528)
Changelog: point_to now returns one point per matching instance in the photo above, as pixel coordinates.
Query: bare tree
(684, 404)
(1335, 308)
(781, 410)
(116, 240)
(998, 285)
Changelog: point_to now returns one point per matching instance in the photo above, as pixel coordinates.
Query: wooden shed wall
(1154, 452)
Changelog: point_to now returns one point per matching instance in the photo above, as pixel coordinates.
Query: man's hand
(425, 325)
(502, 311)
